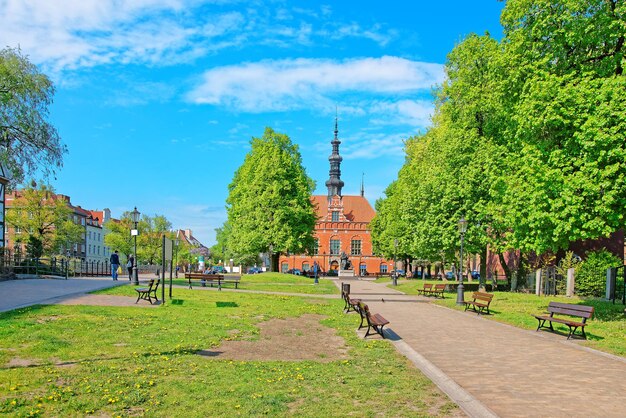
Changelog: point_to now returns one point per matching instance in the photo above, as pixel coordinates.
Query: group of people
(116, 265)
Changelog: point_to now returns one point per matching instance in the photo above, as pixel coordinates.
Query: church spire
(334, 183)
(362, 184)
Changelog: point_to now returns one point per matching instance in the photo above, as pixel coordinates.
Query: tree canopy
(28, 142)
(527, 139)
(44, 221)
(269, 202)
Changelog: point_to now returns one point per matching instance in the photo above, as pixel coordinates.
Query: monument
(345, 267)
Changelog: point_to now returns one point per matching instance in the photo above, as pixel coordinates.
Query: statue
(345, 261)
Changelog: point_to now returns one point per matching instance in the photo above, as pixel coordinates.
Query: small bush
(591, 277)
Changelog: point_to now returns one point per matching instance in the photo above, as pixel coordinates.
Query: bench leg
(541, 322)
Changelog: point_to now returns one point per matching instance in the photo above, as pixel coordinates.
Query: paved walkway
(486, 366)
(16, 294)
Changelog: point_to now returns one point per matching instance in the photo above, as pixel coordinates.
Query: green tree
(269, 202)
(29, 142)
(567, 124)
(44, 221)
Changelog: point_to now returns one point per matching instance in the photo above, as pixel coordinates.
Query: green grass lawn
(119, 361)
(276, 282)
(606, 330)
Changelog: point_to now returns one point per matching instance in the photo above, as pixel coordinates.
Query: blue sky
(157, 99)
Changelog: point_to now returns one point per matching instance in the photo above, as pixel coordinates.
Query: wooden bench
(436, 291)
(581, 311)
(480, 302)
(146, 292)
(211, 279)
(427, 288)
(350, 303)
(374, 321)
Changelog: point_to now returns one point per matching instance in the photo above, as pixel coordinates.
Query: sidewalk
(510, 371)
(16, 294)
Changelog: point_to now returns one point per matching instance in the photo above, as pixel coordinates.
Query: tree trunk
(483, 265)
(505, 267)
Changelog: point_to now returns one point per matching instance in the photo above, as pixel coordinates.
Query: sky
(157, 100)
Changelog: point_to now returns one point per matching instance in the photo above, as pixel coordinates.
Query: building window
(334, 216)
(89, 233)
(335, 246)
(355, 247)
(89, 249)
(316, 246)
(363, 269)
(305, 266)
(284, 267)
(82, 221)
(18, 230)
(383, 268)
(98, 250)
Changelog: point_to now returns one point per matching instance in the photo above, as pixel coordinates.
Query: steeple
(362, 184)
(334, 183)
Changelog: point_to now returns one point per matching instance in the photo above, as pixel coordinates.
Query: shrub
(591, 277)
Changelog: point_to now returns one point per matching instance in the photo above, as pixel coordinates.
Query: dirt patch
(44, 319)
(291, 339)
(20, 362)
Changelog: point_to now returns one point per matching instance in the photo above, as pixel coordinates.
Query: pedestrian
(315, 268)
(115, 264)
(129, 266)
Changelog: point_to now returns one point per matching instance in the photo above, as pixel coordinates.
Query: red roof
(355, 208)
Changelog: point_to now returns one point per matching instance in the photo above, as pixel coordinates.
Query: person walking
(315, 270)
(115, 264)
(129, 266)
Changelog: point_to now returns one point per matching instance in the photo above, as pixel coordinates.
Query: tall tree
(269, 202)
(28, 142)
(44, 221)
(566, 84)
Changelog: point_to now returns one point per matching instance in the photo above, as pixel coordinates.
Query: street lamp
(460, 297)
(134, 215)
(394, 273)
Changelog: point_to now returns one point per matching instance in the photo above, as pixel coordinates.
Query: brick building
(342, 226)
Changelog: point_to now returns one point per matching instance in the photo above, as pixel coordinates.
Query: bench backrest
(203, 276)
(581, 311)
(428, 286)
(440, 287)
(483, 296)
(364, 310)
(156, 285)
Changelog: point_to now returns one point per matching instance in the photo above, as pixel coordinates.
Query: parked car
(475, 275)
(399, 272)
(417, 274)
(449, 275)
(255, 270)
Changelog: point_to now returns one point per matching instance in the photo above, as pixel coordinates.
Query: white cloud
(403, 112)
(374, 145)
(72, 34)
(278, 85)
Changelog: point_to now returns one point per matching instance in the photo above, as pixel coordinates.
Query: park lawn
(605, 332)
(119, 361)
(276, 282)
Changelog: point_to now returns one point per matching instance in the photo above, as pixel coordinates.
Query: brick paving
(511, 371)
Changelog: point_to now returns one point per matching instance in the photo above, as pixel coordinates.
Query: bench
(581, 311)
(374, 321)
(436, 291)
(146, 292)
(350, 303)
(480, 302)
(427, 288)
(211, 279)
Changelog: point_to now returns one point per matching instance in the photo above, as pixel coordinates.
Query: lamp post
(135, 218)
(460, 296)
(394, 273)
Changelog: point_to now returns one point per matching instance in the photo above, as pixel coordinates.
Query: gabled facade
(342, 226)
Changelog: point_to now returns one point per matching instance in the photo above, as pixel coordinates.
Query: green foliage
(149, 241)
(269, 202)
(30, 142)
(45, 218)
(591, 276)
(34, 247)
